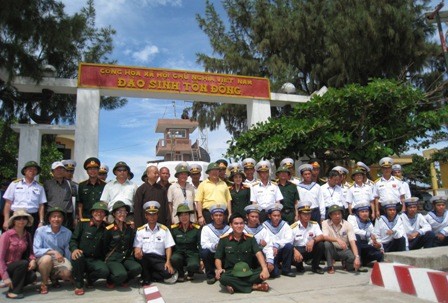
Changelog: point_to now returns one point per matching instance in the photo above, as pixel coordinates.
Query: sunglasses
(21, 218)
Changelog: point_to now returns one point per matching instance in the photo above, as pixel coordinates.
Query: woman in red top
(17, 261)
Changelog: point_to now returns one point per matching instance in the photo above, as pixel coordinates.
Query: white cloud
(146, 54)
(174, 3)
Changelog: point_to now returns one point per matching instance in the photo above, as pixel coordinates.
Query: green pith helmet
(31, 164)
(55, 209)
(241, 270)
(282, 169)
(100, 206)
(119, 204)
(212, 166)
(183, 208)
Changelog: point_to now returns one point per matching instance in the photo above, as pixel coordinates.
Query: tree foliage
(355, 122)
(34, 34)
(312, 44)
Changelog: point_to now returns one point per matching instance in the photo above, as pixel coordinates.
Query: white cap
(57, 164)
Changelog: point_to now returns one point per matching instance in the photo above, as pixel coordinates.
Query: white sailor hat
(305, 167)
(249, 163)
(288, 162)
(340, 169)
(275, 207)
(151, 207)
(263, 165)
(438, 199)
(411, 201)
(362, 206)
(389, 204)
(234, 167)
(252, 208)
(386, 162)
(69, 164)
(217, 208)
(104, 169)
(363, 166)
(195, 169)
(396, 167)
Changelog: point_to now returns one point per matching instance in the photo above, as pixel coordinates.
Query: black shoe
(300, 269)
(145, 283)
(211, 281)
(318, 270)
(289, 274)
(363, 269)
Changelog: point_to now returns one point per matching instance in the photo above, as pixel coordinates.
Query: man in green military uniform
(235, 248)
(187, 236)
(290, 195)
(90, 190)
(118, 244)
(87, 249)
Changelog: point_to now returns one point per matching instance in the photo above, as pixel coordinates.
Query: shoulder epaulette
(313, 222)
(323, 180)
(255, 183)
(174, 225)
(85, 220)
(249, 235)
(41, 184)
(17, 180)
(351, 185)
(141, 227)
(110, 226)
(224, 235)
(275, 183)
(398, 178)
(102, 181)
(245, 185)
(377, 180)
(230, 187)
(294, 225)
(197, 226)
(163, 227)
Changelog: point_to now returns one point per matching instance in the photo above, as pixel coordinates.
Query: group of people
(238, 229)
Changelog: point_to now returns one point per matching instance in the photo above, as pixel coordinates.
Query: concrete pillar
(86, 134)
(29, 144)
(258, 111)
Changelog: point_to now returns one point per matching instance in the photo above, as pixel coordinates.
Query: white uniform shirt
(261, 233)
(294, 180)
(210, 236)
(115, 191)
(279, 235)
(265, 196)
(359, 194)
(251, 182)
(406, 189)
(438, 224)
(382, 225)
(418, 223)
(26, 196)
(303, 235)
(387, 190)
(309, 195)
(330, 196)
(363, 229)
(154, 241)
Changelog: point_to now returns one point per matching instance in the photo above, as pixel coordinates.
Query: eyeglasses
(21, 218)
(122, 212)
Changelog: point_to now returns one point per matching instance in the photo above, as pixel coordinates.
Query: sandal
(230, 290)
(262, 287)
(43, 289)
(11, 295)
(330, 270)
(79, 291)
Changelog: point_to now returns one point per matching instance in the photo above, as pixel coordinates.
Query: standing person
(238, 190)
(309, 193)
(340, 241)
(366, 240)
(360, 192)
(265, 192)
(234, 260)
(104, 170)
(151, 191)
(186, 251)
(181, 192)
(164, 174)
(195, 175)
(26, 194)
(417, 230)
(316, 172)
(223, 171)
(290, 195)
(289, 164)
(211, 191)
(118, 242)
(87, 250)
(90, 190)
(308, 241)
(397, 172)
(120, 189)
(17, 260)
(61, 193)
(331, 193)
(153, 246)
(249, 171)
(362, 166)
(387, 187)
(210, 235)
(389, 228)
(4, 185)
(70, 166)
(51, 246)
(280, 234)
(438, 219)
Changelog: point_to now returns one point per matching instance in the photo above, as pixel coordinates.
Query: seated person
(210, 235)
(438, 219)
(118, 242)
(389, 228)
(368, 246)
(153, 248)
(236, 267)
(87, 248)
(186, 236)
(51, 247)
(308, 241)
(17, 260)
(417, 230)
(280, 234)
(340, 241)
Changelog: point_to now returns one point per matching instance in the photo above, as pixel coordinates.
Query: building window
(176, 133)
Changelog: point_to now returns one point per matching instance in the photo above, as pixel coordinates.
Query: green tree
(355, 122)
(312, 44)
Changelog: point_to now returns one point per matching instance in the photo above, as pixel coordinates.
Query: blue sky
(150, 33)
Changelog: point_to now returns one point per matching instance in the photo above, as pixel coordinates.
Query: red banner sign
(166, 80)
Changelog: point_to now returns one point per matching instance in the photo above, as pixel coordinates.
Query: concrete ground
(309, 287)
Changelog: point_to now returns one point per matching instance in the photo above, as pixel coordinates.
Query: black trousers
(20, 275)
(153, 268)
(316, 255)
(426, 240)
(395, 245)
(208, 257)
(367, 252)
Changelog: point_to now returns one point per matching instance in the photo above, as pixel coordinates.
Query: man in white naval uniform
(438, 219)
(309, 193)
(389, 228)
(417, 230)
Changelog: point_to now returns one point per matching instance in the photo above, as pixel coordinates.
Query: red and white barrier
(423, 283)
(152, 294)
